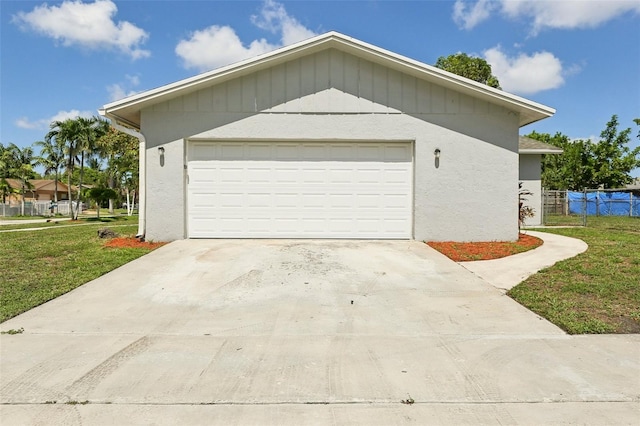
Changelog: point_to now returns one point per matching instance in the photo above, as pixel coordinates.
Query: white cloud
(217, 45)
(525, 74)
(568, 14)
(467, 17)
(43, 123)
(274, 18)
(543, 13)
(125, 89)
(89, 25)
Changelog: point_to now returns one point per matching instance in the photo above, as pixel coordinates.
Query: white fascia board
(529, 111)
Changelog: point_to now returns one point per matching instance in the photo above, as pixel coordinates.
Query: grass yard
(38, 266)
(597, 291)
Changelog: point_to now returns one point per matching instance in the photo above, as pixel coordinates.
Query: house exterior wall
(530, 176)
(330, 96)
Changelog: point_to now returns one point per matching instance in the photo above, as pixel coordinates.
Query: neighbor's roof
(531, 146)
(127, 111)
(38, 184)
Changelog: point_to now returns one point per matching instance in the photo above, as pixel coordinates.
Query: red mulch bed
(464, 252)
(130, 242)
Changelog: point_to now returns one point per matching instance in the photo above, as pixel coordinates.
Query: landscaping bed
(464, 252)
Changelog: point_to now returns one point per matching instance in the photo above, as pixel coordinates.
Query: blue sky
(63, 59)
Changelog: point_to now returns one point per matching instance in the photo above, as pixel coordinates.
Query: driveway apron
(303, 332)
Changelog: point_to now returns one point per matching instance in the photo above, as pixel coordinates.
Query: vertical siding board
(220, 98)
(336, 81)
(307, 75)
(263, 90)
(205, 100)
(191, 102)
(234, 95)
(466, 104)
(322, 71)
(350, 95)
(394, 79)
(423, 97)
(481, 106)
(307, 82)
(380, 96)
(453, 101)
(249, 93)
(176, 105)
(437, 99)
(365, 86)
(278, 90)
(322, 81)
(292, 85)
(409, 94)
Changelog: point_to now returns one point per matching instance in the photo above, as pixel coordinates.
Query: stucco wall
(469, 196)
(530, 176)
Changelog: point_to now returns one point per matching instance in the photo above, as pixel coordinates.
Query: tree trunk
(22, 199)
(69, 193)
(111, 185)
(55, 194)
(79, 185)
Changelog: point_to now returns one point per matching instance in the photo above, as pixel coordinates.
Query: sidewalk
(508, 272)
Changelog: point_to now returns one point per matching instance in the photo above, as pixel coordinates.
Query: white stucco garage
(328, 138)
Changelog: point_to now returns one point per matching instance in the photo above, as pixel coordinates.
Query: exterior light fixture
(436, 153)
(161, 150)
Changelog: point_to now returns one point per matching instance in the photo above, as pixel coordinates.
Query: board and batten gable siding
(333, 96)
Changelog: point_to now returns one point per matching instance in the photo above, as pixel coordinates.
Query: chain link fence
(572, 208)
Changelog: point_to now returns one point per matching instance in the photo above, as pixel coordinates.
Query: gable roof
(531, 146)
(127, 111)
(38, 185)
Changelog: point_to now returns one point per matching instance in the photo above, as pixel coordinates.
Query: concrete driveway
(305, 332)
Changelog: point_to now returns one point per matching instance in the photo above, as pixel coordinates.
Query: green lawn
(38, 266)
(597, 291)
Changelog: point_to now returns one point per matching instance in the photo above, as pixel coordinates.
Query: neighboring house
(328, 138)
(37, 190)
(531, 152)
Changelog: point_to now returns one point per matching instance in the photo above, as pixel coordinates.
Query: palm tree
(65, 132)
(89, 130)
(21, 167)
(6, 160)
(52, 157)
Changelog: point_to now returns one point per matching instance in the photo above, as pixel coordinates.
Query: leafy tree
(121, 152)
(588, 164)
(80, 136)
(66, 132)
(52, 157)
(21, 162)
(6, 161)
(100, 195)
(613, 160)
(473, 68)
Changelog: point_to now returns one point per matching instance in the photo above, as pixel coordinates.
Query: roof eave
(540, 151)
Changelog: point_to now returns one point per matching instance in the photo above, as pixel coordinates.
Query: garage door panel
(289, 190)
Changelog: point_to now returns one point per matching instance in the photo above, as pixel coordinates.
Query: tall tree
(66, 132)
(6, 162)
(474, 68)
(52, 157)
(589, 164)
(121, 152)
(21, 168)
(613, 160)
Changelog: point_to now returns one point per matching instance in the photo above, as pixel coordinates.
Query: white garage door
(299, 190)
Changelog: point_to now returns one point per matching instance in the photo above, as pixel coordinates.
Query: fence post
(630, 204)
(584, 207)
